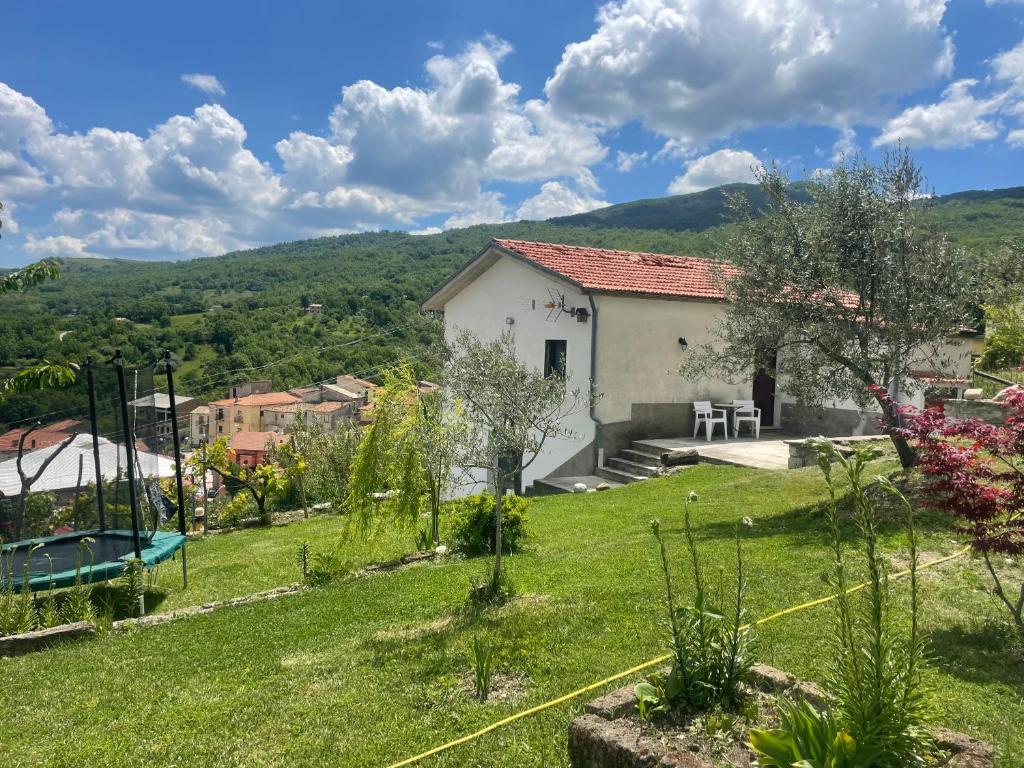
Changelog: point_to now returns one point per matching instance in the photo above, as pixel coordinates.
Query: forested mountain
(241, 315)
(980, 219)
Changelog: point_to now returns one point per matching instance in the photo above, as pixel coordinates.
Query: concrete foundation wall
(829, 422)
(646, 421)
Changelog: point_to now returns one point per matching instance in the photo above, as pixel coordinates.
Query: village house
(250, 449)
(43, 437)
(622, 321)
(152, 419)
(245, 413)
(327, 415)
(315, 309)
(199, 425)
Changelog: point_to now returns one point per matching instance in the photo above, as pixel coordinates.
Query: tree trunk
(906, 452)
(498, 499)
(302, 495)
(19, 520)
(261, 507)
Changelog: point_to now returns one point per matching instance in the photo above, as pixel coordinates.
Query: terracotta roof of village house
(612, 271)
(43, 437)
(255, 441)
(604, 270)
(325, 407)
(269, 398)
(601, 270)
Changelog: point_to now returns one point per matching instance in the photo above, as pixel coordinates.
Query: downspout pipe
(593, 380)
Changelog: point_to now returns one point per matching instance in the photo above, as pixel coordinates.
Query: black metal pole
(177, 462)
(132, 501)
(94, 425)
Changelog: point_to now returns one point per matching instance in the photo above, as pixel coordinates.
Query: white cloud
(700, 69)
(489, 209)
(627, 161)
(440, 143)
(969, 110)
(191, 186)
(958, 119)
(556, 199)
(722, 167)
(1015, 138)
(208, 84)
(57, 246)
(845, 145)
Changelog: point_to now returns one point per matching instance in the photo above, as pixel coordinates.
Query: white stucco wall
(510, 289)
(638, 354)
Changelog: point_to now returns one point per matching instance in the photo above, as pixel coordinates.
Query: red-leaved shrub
(976, 470)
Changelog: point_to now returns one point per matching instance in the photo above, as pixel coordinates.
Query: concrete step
(635, 467)
(618, 476)
(642, 456)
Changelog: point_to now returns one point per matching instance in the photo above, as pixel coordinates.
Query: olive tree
(511, 412)
(851, 288)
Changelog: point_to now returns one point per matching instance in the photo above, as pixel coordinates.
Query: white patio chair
(704, 414)
(745, 411)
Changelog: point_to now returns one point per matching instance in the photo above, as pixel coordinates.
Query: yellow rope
(646, 665)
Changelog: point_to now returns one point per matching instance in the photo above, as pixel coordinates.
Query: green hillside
(241, 314)
(979, 219)
(694, 212)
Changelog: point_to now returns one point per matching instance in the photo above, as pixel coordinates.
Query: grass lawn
(227, 565)
(374, 669)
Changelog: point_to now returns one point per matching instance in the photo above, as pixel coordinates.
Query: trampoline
(100, 554)
(60, 559)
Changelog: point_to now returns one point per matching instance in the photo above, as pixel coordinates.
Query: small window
(554, 357)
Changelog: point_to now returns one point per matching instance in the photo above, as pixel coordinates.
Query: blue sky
(146, 130)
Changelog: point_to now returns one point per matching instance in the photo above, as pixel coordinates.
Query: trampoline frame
(161, 546)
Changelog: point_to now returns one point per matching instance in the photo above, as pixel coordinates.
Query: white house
(623, 321)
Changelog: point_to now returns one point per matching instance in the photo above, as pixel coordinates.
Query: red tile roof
(44, 437)
(605, 270)
(270, 398)
(255, 441)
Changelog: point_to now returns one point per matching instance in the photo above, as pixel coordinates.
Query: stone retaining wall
(27, 642)
(988, 411)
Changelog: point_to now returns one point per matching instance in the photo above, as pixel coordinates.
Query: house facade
(244, 413)
(622, 322)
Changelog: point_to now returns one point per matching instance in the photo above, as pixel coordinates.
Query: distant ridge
(693, 212)
(700, 211)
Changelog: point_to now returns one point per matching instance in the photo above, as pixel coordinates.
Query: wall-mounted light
(510, 321)
(581, 314)
(682, 343)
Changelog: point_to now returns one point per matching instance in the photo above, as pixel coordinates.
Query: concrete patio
(770, 452)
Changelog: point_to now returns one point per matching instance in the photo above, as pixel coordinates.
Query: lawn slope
(373, 669)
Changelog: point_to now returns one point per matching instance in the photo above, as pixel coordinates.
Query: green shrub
(133, 587)
(325, 567)
(241, 508)
(810, 739)
(471, 521)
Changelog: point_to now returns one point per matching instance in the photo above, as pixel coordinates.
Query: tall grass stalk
(876, 672)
